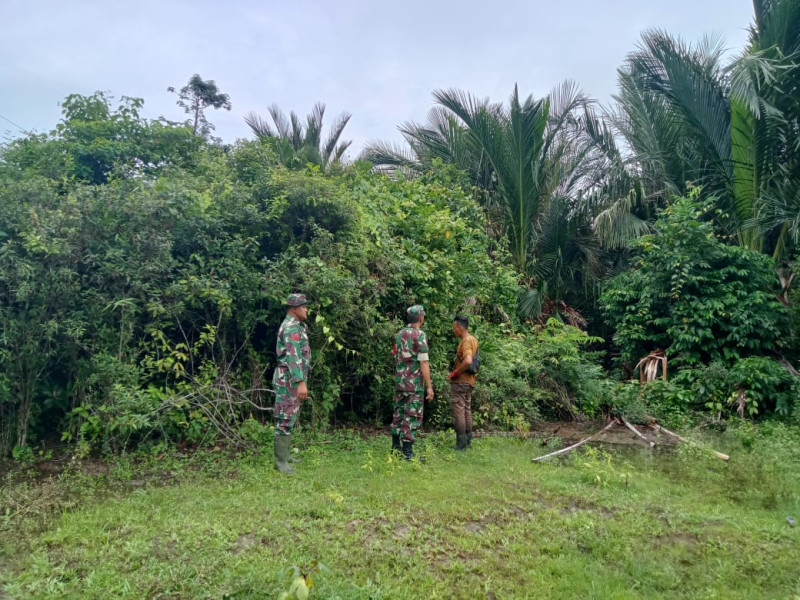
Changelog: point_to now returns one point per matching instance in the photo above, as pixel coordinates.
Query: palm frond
(260, 127)
(281, 123)
(330, 152)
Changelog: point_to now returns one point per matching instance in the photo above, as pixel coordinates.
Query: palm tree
(688, 120)
(531, 159)
(540, 160)
(766, 123)
(298, 144)
(442, 137)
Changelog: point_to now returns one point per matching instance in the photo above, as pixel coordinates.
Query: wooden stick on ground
(637, 432)
(565, 450)
(719, 455)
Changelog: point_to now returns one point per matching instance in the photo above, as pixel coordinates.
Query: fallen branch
(636, 431)
(565, 450)
(719, 455)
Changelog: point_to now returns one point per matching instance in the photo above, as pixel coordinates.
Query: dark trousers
(461, 404)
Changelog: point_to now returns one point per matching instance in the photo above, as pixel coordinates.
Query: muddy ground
(572, 431)
(568, 432)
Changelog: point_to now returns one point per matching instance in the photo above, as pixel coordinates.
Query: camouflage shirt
(410, 348)
(294, 353)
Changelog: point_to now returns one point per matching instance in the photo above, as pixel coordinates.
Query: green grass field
(487, 523)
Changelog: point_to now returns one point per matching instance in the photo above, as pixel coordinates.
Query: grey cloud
(378, 61)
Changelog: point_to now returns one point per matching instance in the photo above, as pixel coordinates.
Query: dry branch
(636, 431)
(565, 450)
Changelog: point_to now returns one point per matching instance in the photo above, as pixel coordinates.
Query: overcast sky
(378, 60)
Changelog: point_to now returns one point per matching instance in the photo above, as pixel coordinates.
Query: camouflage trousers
(287, 407)
(407, 416)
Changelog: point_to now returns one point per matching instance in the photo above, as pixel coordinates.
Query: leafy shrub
(543, 371)
(692, 295)
(751, 386)
(711, 307)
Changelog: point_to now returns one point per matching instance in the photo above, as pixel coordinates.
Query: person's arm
(294, 350)
(425, 369)
(421, 346)
(462, 366)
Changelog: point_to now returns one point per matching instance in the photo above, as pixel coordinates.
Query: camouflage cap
(416, 310)
(296, 300)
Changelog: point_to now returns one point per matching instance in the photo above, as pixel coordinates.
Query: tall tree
(94, 140)
(298, 144)
(195, 97)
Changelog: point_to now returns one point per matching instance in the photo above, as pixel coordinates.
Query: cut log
(569, 448)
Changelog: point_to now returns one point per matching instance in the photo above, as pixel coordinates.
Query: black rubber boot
(396, 447)
(281, 444)
(292, 459)
(408, 450)
(469, 439)
(461, 441)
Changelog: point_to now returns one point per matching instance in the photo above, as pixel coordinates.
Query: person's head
(460, 325)
(415, 315)
(297, 306)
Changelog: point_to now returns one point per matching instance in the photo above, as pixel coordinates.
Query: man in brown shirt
(462, 380)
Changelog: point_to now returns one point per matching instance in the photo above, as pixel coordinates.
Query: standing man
(289, 379)
(411, 370)
(462, 380)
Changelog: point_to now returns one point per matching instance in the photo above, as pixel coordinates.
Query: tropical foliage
(146, 307)
(143, 265)
(532, 158)
(694, 296)
(687, 118)
(297, 144)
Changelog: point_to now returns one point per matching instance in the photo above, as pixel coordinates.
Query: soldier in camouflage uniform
(411, 370)
(289, 379)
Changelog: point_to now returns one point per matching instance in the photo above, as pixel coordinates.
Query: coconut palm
(298, 144)
(531, 158)
(766, 118)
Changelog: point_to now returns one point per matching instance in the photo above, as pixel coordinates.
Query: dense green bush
(693, 295)
(144, 304)
(143, 273)
(712, 308)
(749, 387)
(545, 372)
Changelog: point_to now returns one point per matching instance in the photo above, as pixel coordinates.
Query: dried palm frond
(648, 366)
